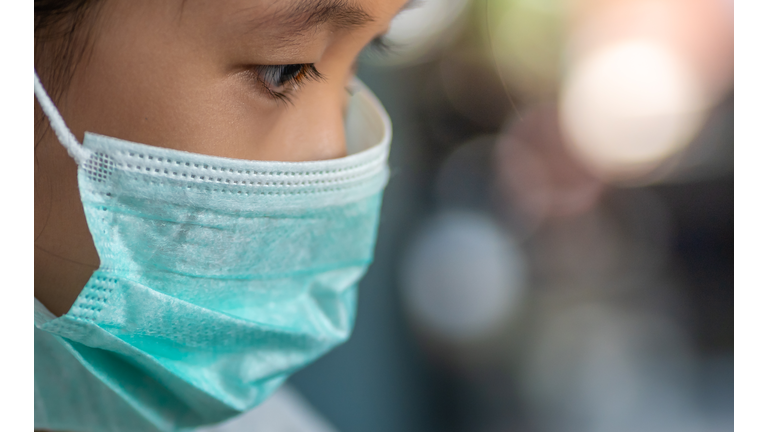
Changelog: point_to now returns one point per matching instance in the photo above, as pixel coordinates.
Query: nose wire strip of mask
(65, 136)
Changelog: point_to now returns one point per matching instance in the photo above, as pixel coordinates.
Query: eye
(279, 81)
(381, 45)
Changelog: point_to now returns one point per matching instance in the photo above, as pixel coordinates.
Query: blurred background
(556, 242)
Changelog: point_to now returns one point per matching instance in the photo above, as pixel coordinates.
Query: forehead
(296, 15)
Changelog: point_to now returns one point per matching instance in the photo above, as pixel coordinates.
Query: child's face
(182, 74)
(194, 75)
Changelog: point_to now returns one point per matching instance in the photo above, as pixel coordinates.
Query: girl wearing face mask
(208, 177)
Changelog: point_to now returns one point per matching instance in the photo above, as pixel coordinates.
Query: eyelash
(381, 45)
(281, 81)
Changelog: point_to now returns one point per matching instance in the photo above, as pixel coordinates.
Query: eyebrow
(300, 16)
(304, 15)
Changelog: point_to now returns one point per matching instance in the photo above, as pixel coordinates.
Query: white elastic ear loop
(65, 136)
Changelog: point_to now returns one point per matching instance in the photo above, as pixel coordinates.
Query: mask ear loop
(65, 136)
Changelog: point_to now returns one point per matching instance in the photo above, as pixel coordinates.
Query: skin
(175, 74)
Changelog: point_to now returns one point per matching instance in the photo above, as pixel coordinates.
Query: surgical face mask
(218, 277)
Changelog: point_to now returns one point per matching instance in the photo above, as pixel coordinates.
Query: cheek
(238, 122)
(310, 129)
(209, 114)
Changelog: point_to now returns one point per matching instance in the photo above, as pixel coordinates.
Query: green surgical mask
(218, 278)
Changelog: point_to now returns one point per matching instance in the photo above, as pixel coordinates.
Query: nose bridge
(320, 122)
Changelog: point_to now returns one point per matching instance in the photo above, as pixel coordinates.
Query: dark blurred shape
(474, 90)
(710, 154)
(702, 247)
(464, 179)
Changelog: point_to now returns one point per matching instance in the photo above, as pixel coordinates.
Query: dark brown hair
(62, 34)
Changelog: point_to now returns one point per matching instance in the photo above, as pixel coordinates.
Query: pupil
(288, 72)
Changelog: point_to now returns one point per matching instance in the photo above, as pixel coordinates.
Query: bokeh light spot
(628, 107)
